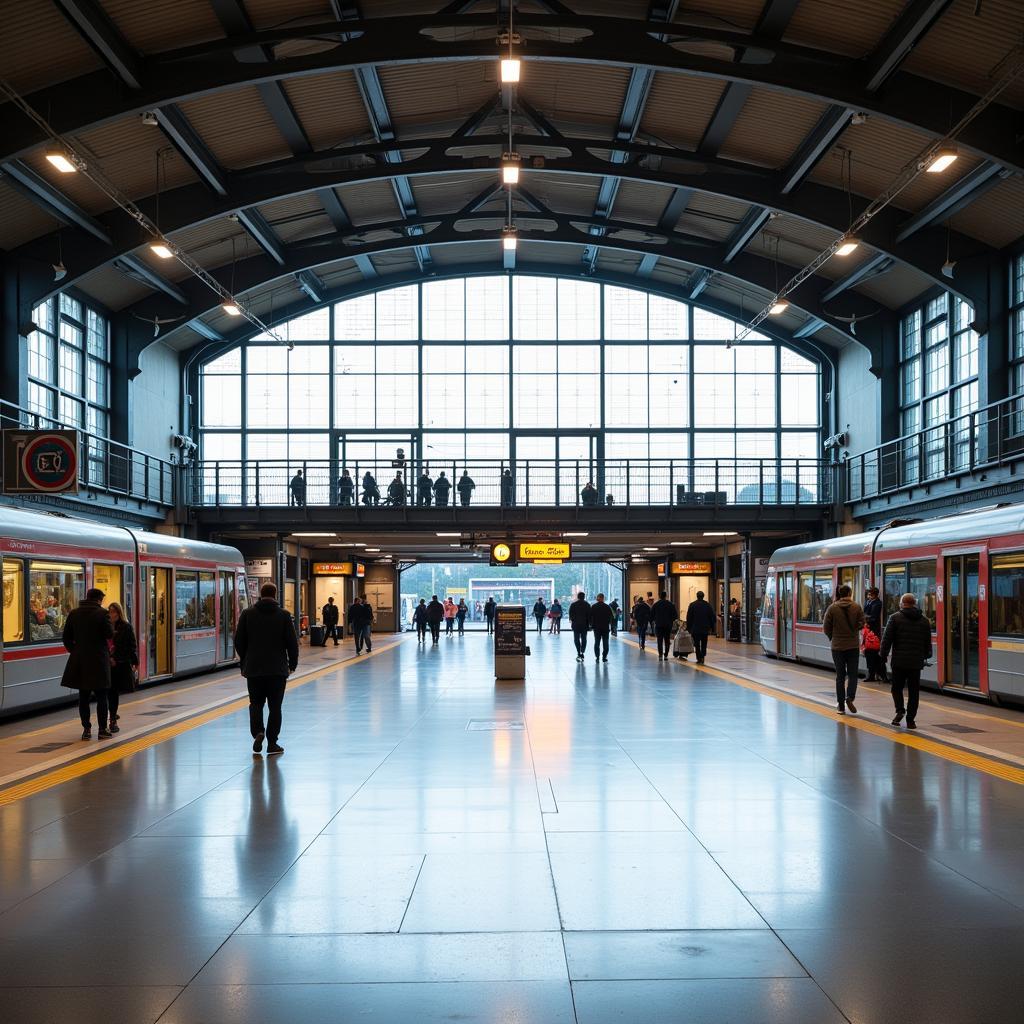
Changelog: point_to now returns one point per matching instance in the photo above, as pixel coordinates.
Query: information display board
(333, 568)
(510, 648)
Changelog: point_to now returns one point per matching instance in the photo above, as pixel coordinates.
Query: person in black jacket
(424, 488)
(360, 619)
(873, 621)
(371, 492)
(86, 632)
(664, 613)
(579, 619)
(601, 618)
(346, 488)
(330, 613)
(641, 619)
(435, 616)
(540, 610)
(396, 490)
(700, 624)
(268, 650)
(419, 620)
(123, 659)
(489, 609)
(298, 489)
(508, 489)
(589, 496)
(442, 488)
(908, 637)
(465, 487)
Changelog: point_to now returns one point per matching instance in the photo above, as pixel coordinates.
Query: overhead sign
(333, 569)
(360, 569)
(534, 551)
(260, 567)
(502, 554)
(689, 568)
(548, 561)
(40, 461)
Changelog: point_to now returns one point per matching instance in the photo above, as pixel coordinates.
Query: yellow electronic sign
(690, 568)
(544, 551)
(333, 569)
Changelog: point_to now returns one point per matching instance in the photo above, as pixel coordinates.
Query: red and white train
(966, 570)
(183, 597)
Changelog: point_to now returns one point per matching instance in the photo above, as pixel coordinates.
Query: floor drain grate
(493, 724)
(45, 748)
(954, 727)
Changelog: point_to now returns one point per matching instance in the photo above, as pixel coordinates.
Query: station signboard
(544, 551)
(40, 461)
(334, 569)
(689, 568)
(509, 630)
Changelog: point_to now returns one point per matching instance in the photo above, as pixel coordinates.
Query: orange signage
(333, 569)
(689, 568)
(535, 551)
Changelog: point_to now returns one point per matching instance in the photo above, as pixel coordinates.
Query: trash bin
(316, 636)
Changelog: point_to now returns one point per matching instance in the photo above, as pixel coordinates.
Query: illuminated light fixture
(447, 534)
(583, 533)
(650, 549)
(372, 551)
(940, 160)
(231, 309)
(161, 249)
(847, 244)
(719, 533)
(510, 164)
(314, 535)
(682, 543)
(509, 70)
(778, 307)
(455, 545)
(60, 160)
(509, 239)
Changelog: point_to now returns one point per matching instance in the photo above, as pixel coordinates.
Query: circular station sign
(49, 462)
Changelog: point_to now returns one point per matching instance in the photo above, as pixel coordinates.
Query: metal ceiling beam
(647, 265)
(872, 267)
(699, 280)
(136, 267)
(203, 329)
(311, 284)
(101, 34)
(809, 327)
(343, 222)
(910, 27)
(92, 99)
(674, 209)
(753, 220)
(187, 142)
(265, 236)
(31, 185)
(970, 187)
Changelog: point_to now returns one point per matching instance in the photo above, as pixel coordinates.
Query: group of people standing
(430, 616)
(675, 635)
(360, 619)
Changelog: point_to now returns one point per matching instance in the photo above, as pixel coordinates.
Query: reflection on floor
(622, 842)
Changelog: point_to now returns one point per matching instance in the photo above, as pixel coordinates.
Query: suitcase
(316, 635)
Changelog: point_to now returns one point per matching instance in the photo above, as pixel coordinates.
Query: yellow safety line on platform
(110, 755)
(957, 755)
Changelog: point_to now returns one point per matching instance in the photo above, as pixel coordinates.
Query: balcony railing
(533, 482)
(989, 437)
(106, 466)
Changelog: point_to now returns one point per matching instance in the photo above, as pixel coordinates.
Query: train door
(158, 621)
(226, 643)
(784, 635)
(962, 618)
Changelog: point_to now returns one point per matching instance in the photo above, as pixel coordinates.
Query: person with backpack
(556, 616)
(641, 616)
(908, 639)
(579, 619)
(842, 625)
(872, 637)
(460, 615)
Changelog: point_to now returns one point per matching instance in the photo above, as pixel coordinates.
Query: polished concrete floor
(636, 842)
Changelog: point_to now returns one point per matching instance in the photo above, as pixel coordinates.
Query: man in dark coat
(700, 624)
(540, 610)
(371, 492)
(86, 632)
(601, 618)
(908, 637)
(346, 488)
(579, 619)
(465, 487)
(419, 620)
(489, 609)
(396, 490)
(873, 621)
(435, 616)
(442, 488)
(664, 613)
(589, 497)
(424, 488)
(298, 489)
(508, 489)
(360, 619)
(329, 613)
(268, 650)
(641, 619)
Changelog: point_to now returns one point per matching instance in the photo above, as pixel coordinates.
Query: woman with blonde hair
(124, 657)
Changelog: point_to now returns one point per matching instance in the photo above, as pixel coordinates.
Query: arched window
(492, 369)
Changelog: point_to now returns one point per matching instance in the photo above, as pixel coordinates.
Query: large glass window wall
(512, 367)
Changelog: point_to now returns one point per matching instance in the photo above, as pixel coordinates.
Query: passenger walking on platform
(396, 490)
(346, 488)
(449, 617)
(124, 657)
(908, 638)
(735, 632)
(872, 644)
(460, 615)
(843, 622)
(86, 632)
(601, 618)
(489, 609)
(650, 606)
(268, 651)
(664, 613)
(465, 487)
(556, 616)
(330, 614)
(540, 609)
(364, 620)
(419, 620)
(508, 489)
(616, 613)
(435, 615)
(700, 624)
(442, 488)
(589, 498)
(642, 620)
(371, 492)
(297, 487)
(424, 488)
(579, 619)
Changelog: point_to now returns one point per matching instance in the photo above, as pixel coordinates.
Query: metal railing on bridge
(988, 437)
(530, 482)
(105, 466)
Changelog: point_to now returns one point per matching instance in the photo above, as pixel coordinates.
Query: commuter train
(966, 570)
(183, 597)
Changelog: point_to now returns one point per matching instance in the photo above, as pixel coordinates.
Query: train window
(895, 577)
(1005, 595)
(849, 576)
(14, 601)
(922, 585)
(805, 598)
(768, 604)
(186, 599)
(207, 598)
(54, 589)
(108, 579)
(822, 593)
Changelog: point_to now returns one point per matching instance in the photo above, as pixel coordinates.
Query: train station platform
(633, 841)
